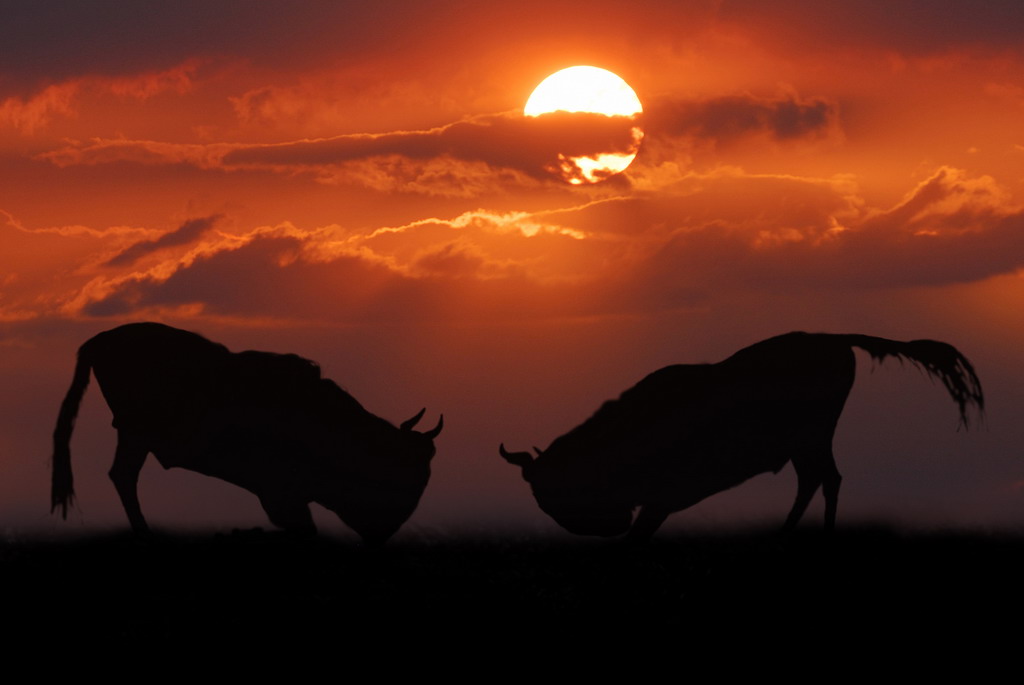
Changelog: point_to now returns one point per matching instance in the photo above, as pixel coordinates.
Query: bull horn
(538, 450)
(407, 425)
(437, 429)
(521, 459)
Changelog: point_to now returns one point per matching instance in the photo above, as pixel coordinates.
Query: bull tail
(938, 359)
(62, 492)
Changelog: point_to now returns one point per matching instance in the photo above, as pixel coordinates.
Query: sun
(588, 89)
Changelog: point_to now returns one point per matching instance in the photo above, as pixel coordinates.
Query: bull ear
(407, 425)
(433, 433)
(521, 459)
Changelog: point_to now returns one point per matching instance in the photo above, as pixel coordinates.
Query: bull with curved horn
(686, 432)
(266, 422)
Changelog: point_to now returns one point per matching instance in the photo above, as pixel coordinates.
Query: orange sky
(356, 183)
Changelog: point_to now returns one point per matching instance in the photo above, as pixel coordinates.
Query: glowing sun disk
(588, 89)
(583, 89)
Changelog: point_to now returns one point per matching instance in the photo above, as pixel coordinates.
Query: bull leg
(808, 479)
(290, 514)
(830, 489)
(647, 522)
(812, 474)
(129, 457)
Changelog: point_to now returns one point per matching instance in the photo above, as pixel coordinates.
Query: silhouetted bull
(266, 422)
(686, 432)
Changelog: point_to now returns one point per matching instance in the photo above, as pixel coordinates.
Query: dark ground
(863, 590)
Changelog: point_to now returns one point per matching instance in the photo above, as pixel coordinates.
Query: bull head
(585, 505)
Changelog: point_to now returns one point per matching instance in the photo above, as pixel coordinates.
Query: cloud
(73, 230)
(272, 275)
(484, 153)
(720, 234)
(757, 204)
(312, 104)
(43, 267)
(724, 120)
(952, 228)
(29, 114)
(474, 266)
(187, 233)
(178, 79)
(36, 110)
(509, 140)
(107, 151)
(532, 146)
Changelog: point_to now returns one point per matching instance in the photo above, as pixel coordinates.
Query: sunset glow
(366, 189)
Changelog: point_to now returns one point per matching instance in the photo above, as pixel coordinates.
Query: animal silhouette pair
(270, 424)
